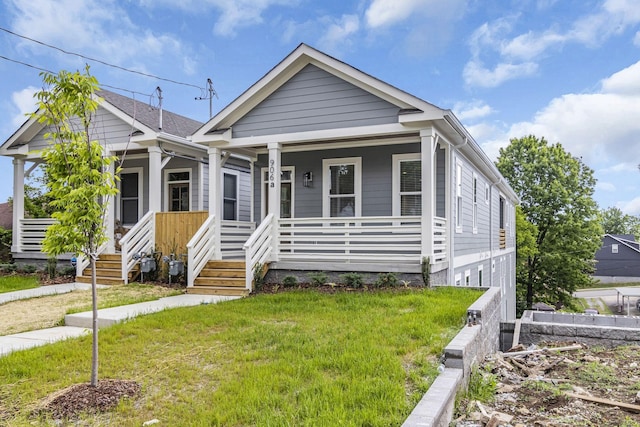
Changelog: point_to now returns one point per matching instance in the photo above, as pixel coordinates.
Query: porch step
(221, 278)
(108, 271)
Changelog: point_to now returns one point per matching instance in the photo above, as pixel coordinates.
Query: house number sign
(272, 177)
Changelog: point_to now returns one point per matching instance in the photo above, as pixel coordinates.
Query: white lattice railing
(140, 238)
(32, 232)
(200, 249)
(258, 248)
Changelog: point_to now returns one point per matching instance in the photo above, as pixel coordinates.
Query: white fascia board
(209, 139)
(25, 133)
(320, 135)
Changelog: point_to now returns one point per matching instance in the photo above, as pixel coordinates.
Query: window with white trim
(178, 189)
(342, 187)
(407, 184)
(487, 193)
(458, 279)
(475, 203)
(287, 187)
(614, 248)
(129, 207)
(467, 277)
(458, 197)
(480, 278)
(230, 195)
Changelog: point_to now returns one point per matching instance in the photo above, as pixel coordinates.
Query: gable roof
(128, 109)
(627, 240)
(172, 123)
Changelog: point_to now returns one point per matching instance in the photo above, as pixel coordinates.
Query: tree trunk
(94, 302)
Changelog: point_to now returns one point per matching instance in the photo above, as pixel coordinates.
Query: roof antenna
(212, 92)
(160, 107)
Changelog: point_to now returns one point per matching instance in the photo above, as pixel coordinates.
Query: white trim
(395, 180)
(141, 194)
(200, 186)
(474, 201)
(226, 171)
(458, 279)
(467, 277)
(459, 196)
(480, 275)
(462, 260)
(166, 186)
(357, 185)
(263, 183)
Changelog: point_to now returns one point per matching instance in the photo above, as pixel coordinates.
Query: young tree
(556, 192)
(78, 177)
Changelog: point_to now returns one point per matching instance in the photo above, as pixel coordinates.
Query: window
(458, 197)
(130, 200)
(178, 189)
(342, 187)
(407, 184)
(475, 203)
(502, 212)
(230, 196)
(480, 281)
(458, 279)
(487, 193)
(614, 248)
(287, 178)
(467, 277)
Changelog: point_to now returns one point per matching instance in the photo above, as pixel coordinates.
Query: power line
(35, 67)
(99, 60)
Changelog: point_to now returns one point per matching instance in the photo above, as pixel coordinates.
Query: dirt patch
(576, 387)
(83, 398)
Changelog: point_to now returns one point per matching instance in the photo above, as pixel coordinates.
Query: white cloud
(620, 168)
(605, 186)
(388, 12)
(472, 110)
(625, 82)
(100, 29)
(338, 33)
(476, 74)
(630, 207)
(25, 103)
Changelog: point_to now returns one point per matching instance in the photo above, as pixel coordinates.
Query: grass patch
(18, 283)
(294, 358)
(48, 311)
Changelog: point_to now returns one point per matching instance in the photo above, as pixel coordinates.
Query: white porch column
(155, 179)
(110, 214)
(18, 201)
(427, 152)
(274, 169)
(215, 197)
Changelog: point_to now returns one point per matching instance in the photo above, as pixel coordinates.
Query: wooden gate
(175, 229)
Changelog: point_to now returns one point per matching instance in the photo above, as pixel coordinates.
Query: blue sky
(566, 70)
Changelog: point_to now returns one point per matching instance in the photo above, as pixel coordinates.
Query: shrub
(258, 277)
(318, 278)
(290, 281)
(426, 271)
(5, 245)
(52, 267)
(68, 271)
(387, 280)
(28, 268)
(353, 280)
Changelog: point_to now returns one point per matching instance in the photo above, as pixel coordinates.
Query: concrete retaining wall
(610, 331)
(470, 346)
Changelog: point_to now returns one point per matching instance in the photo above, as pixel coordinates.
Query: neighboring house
(618, 260)
(162, 171)
(6, 216)
(355, 175)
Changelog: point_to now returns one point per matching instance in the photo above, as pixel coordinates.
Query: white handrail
(82, 262)
(200, 249)
(258, 247)
(141, 238)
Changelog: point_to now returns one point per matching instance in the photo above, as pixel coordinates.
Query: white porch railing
(233, 236)
(258, 248)
(439, 239)
(140, 238)
(362, 239)
(32, 232)
(82, 263)
(200, 249)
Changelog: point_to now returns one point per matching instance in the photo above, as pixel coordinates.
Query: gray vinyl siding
(376, 178)
(314, 99)
(467, 242)
(106, 128)
(624, 263)
(205, 187)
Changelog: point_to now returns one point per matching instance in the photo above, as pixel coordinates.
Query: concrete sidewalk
(43, 291)
(80, 323)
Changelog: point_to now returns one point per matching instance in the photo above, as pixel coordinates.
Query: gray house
(163, 198)
(351, 174)
(618, 260)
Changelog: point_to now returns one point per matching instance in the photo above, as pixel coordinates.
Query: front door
(129, 197)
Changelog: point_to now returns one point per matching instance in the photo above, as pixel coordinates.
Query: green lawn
(290, 359)
(18, 283)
